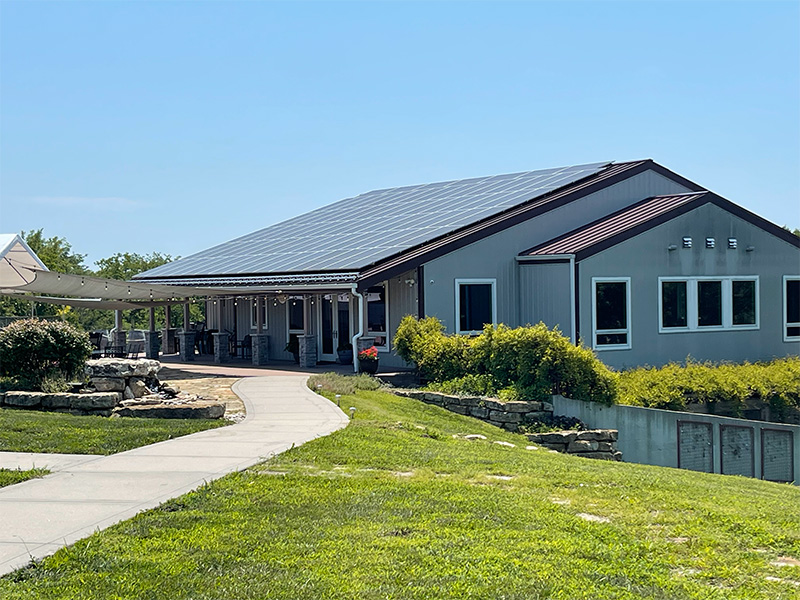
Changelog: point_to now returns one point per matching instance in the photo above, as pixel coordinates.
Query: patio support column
(186, 337)
(260, 340)
(168, 335)
(119, 334)
(151, 337)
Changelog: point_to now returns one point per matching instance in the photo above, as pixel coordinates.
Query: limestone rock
(122, 367)
(51, 401)
(108, 384)
(203, 409)
(505, 417)
(24, 399)
(506, 444)
(128, 393)
(93, 402)
(138, 387)
(583, 446)
(474, 436)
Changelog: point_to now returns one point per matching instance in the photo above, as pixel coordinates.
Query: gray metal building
(632, 259)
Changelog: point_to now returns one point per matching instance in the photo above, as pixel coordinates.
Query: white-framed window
(791, 308)
(707, 303)
(377, 301)
(254, 313)
(476, 305)
(611, 313)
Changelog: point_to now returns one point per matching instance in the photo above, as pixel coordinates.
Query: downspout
(573, 305)
(360, 333)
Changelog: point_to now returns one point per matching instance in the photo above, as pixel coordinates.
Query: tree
(126, 265)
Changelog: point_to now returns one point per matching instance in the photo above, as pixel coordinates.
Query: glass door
(327, 327)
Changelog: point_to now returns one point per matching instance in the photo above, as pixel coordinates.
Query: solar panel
(356, 232)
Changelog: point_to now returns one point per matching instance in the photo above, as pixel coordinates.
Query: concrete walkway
(39, 516)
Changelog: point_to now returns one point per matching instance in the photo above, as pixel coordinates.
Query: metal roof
(354, 233)
(646, 213)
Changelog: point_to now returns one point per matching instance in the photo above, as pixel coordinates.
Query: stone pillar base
(168, 341)
(260, 347)
(221, 352)
(151, 344)
(186, 339)
(308, 350)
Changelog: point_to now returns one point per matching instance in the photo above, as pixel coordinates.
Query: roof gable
(624, 224)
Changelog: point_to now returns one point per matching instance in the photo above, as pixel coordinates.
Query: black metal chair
(246, 347)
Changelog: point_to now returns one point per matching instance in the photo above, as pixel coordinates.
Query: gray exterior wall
(402, 301)
(650, 436)
(645, 258)
(544, 295)
(494, 256)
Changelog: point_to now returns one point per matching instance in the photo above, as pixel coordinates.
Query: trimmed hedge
(41, 353)
(526, 363)
(776, 383)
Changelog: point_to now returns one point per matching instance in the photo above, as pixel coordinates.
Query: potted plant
(294, 347)
(345, 352)
(368, 360)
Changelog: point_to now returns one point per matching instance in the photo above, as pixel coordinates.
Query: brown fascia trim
(707, 198)
(615, 173)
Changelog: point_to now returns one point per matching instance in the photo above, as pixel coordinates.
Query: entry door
(334, 325)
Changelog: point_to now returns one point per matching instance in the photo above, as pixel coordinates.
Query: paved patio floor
(89, 493)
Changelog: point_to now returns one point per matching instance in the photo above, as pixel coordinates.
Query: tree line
(57, 255)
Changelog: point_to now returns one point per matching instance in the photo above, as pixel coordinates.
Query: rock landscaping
(596, 443)
(121, 387)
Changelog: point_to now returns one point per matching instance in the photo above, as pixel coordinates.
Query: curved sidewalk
(39, 516)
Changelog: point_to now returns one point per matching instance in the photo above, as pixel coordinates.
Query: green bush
(35, 352)
(526, 363)
(673, 386)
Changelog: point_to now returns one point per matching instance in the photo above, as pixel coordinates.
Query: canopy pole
(186, 316)
(152, 324)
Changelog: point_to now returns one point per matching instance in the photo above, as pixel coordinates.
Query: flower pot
(345, 357)
(368, 366)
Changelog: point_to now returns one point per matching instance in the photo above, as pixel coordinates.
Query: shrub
(526, 363)
(672, 386)
(33, 351)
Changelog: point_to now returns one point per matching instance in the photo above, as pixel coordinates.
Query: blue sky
(173, 126)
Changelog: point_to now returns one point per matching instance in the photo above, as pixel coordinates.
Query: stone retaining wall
(595, 443)
(601, 443)
(98, 403)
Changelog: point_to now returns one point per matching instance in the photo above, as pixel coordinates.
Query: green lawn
(12, 476)
(33, 431)
(399, 505)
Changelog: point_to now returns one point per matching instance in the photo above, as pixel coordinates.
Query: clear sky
(173, 126)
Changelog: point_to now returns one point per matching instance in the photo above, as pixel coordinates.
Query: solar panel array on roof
(356, 232)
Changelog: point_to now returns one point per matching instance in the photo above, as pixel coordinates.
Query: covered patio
(248, 319)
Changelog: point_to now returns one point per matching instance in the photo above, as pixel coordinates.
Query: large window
(296, 315)
(791, 308)
(476, 304)
(611, 313)
(707, 303)
(378, 316)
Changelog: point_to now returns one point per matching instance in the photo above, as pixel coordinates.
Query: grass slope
(395, 506)
(12, 476)
(33, 431)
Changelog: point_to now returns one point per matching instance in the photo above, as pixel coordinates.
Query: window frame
(369, 333)
(474, 281)
(290, 331)
(254, 316)
(726, 284)
(627, 330)
(786, 323)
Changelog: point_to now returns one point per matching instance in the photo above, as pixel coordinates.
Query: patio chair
(134, 349)
(246, 346)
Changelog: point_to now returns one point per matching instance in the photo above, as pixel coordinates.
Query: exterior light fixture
(750, 248)
(687, 242)
(731, 243)
(710, 242)
(672, 247)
